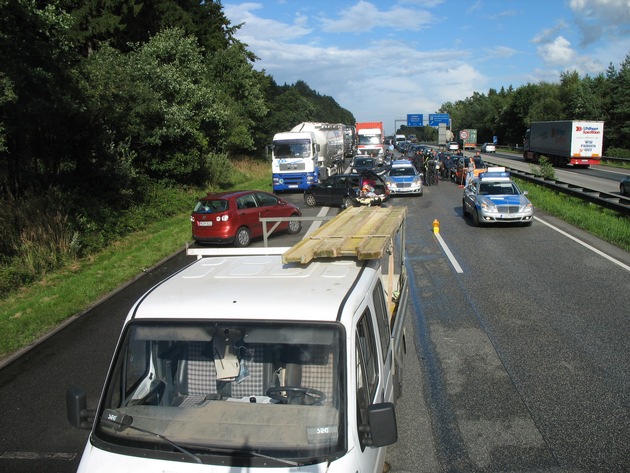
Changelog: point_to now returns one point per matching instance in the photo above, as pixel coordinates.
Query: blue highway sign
(436, 118)
(415, 119)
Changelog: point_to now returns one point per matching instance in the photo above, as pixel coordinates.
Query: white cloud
(382, 60)
(500, 52)
(601, 18)
(557, 53)
(548, 35)
(505, 14)
(365, 16)
(611, 12)
(255, 26)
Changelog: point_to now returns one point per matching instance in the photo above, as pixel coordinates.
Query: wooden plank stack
(361, 232)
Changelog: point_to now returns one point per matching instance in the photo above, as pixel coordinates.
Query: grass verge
(34, 310)
(606, 224)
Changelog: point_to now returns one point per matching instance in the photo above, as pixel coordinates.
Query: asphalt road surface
(517, 356)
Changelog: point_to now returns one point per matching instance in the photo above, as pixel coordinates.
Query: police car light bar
(492, 174)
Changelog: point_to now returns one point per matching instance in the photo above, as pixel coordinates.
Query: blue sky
(385, 59)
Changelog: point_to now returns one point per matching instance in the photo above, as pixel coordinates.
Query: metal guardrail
(615, 202)
(611, 158)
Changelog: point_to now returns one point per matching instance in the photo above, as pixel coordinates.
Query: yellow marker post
(436, 226)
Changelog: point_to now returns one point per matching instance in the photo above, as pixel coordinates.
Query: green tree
(578, 97)
(618, 129)
(288, 109)
(240, 88)
(123, 23)
(40, 102)
(161, 99)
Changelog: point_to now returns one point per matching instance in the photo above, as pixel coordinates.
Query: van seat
(318, 369)
(197, 375)
(253, 358)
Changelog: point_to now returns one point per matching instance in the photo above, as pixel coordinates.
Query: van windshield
(270, 389)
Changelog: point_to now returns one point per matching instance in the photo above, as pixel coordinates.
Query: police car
(493, 197)
(403, 178)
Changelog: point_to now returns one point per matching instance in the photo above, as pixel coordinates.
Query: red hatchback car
(227, 217)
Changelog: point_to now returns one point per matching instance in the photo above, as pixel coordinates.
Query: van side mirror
(78, 414)
(383, 427)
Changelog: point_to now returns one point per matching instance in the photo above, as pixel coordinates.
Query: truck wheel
(309, 199)
(243, 237)
(295, 226)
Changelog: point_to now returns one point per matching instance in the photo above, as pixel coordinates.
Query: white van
(274, 360)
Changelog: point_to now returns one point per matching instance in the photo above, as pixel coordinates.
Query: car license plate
(205, 223)
(293, 186)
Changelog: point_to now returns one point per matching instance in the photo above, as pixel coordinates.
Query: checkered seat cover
(318, 369)
(197, 374)
(252, 360)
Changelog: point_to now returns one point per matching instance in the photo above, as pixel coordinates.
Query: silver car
(493, 197)
(403, 178)
(488, 148)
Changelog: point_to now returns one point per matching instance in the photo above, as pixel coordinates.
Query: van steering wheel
(296, 395)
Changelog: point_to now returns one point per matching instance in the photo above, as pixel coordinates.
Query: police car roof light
(494, 175)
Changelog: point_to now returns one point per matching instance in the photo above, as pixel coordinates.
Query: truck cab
(294, 161)
(271, 359)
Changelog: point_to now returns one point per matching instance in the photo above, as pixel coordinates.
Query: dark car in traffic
(624, 186)
(347, 190)
(234, 217)
(363, 163)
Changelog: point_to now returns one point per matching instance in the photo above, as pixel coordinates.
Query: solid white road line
(459, 269)
(449, 254)
(585, 245)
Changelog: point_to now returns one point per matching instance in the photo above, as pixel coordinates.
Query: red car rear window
(211, 206)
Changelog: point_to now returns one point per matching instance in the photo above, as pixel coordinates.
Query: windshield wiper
(120, 422)
(252, 453)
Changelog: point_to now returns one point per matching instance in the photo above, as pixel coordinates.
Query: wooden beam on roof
(360, 232)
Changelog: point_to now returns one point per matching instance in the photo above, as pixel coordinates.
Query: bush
(544, 169)
(36, 237)
(39, 234)
(618, 153)
(220, 170)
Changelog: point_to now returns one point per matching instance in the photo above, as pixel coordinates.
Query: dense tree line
(99, 89)
(507, 113)
(105, 103)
